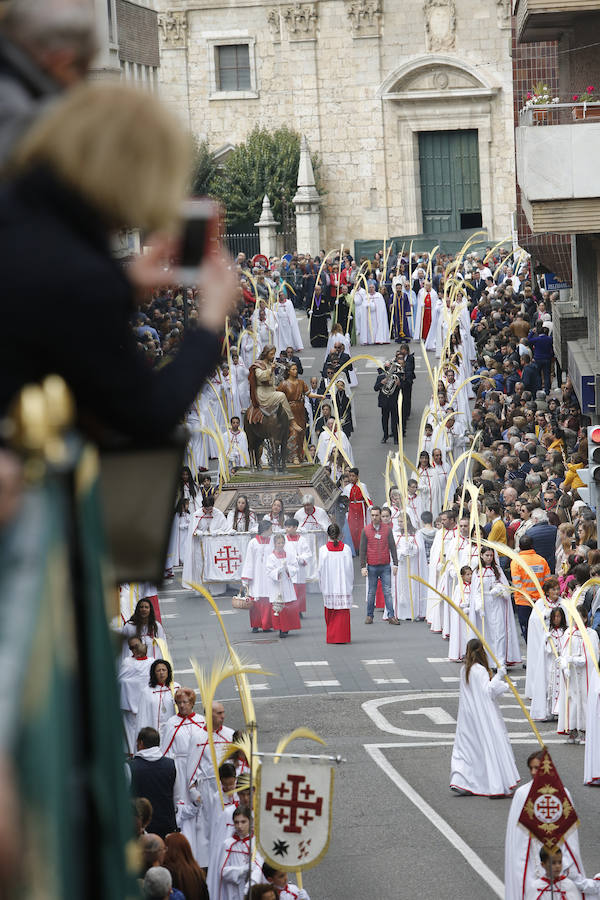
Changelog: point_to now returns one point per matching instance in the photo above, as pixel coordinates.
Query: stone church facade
(408, 103)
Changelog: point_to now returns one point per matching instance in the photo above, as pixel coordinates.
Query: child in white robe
(178, 537)
(490, 599)
(483, 762)
(285, 889)
(282, 568)
(576, 665)
(409, 597)
(554, 884)
(234, 862)
(460, 632)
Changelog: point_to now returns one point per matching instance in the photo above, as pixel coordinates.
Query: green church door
(449, 166)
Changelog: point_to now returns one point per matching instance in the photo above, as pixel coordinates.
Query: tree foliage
(266, 163)
(204, 170)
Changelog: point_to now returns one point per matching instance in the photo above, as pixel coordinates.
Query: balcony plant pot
(587, 111)
(540, 116)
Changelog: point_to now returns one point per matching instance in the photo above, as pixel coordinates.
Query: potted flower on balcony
(588, 105)
(537, 99)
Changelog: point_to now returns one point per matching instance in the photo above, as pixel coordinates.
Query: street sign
(553, 283)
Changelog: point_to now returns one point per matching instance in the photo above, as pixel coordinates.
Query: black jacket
(67, 306)
(155, 780)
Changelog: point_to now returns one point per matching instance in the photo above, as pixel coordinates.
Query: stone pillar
(267, 229)
(307, 203)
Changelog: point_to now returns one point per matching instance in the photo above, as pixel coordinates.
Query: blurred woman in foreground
(104, 158)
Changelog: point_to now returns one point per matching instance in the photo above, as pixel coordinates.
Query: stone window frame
(224, 39)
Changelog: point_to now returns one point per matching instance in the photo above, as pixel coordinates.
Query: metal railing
(242, 243)
(559, 113)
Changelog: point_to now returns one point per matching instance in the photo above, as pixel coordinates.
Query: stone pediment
(435, 77)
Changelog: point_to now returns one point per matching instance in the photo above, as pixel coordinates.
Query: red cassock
(338, 626)
(356, 514)
(426, 316)
(288, 619)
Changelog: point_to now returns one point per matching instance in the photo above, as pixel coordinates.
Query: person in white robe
(427, 441)
(428, 486)
(201, 779)
(234, 860)
(254, 577)
(240, 386)
(483, 761)
(460, 633)
(333, 448)
(236, 446)
(207, 520)
(133, 676)
(336, 581)
(249, 347)
(375, 323)
(300, 552)
(143, 624)
(198, 447)
(420, 308)
(591, 770)
(490, 600)
(434, 338)
(156, 705)
(459, 399)
(409, 597)
(577, 664)
(442, 572)
(360, 296)
(522, 851)
(413, 503)
(282, 569)
(310, 517)
(337, 336)
(241, 519)
(454, 438)
(178, 537)
(180, 733)
(288, 333)
(218, 414)
(222, 826)
(265, 326)
(538, 661)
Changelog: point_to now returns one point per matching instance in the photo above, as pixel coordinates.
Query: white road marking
(450, 678)
(183, 671)
(170, 616)
(332, 683)
(167, 600)
(257, 687)
(378, 662)
(438, 659)
(435, 714)
(226, 612)
(318, 662)
(475, 861)
(390, 681)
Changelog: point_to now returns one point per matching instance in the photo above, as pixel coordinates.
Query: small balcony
(545, 20)
(556, 169)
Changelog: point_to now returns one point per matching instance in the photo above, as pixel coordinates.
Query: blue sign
(552, 283)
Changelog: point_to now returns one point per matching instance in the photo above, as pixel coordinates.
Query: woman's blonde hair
(119, 148)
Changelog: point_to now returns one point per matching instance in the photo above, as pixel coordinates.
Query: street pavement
(387, 704)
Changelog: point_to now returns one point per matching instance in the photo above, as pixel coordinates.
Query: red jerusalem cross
(228, 559)
(305, 810)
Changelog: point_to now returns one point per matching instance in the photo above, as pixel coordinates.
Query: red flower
(575, 97)
(528, 95)
(590, 89)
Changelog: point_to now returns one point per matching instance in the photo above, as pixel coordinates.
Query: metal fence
(242, 243)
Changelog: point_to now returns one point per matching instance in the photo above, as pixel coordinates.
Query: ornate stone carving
(441, 80)
(364, 16)
(172, 27)
(440, 24)
(503, 12)
(301, 21)
(274, 24)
